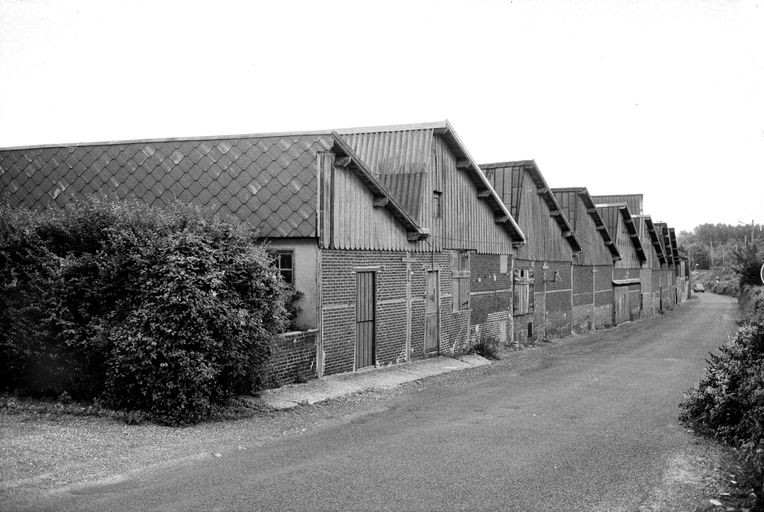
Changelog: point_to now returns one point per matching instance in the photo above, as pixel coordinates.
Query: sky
(659, 97)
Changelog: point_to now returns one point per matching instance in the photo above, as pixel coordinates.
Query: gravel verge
(42, 452)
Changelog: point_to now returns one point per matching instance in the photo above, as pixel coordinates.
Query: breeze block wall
(293, 358)
(490, 299)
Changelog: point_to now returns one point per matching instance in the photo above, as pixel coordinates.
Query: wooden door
(635, 301)
(621, 304)
(365, 318)
(432, 314)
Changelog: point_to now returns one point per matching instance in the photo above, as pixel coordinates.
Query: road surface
(590, 426)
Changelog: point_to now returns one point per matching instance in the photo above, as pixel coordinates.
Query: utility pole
(712, 254)
(752, 228)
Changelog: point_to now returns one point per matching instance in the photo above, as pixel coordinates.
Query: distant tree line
(718, 245)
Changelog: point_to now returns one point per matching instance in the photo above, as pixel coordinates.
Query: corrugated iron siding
(393, 152)
(407, 189)
(593, 250)
(508, 183)
(267, 182)
(633, 201)
(621, 237)
(647, 242)
(354, 222)
(467, 222)
(520, 194)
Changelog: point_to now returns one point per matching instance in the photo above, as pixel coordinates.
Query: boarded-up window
(523, 291)
(460, 269)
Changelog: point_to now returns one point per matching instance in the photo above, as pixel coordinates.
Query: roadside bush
(728, 402)
(751, 302)
(28, 274)
(169, 312)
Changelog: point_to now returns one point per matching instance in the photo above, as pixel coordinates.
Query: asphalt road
(591, 426)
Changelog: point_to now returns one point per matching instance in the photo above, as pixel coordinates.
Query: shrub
(28, 273)
(169, 312)
(488, 347)
(728, 402)
(752, 304)
(192, 328)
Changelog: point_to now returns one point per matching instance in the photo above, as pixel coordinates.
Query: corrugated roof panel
(633, 201)
(407, 189)
(392, 152)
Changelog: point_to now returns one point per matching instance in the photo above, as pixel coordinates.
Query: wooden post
(408, 260)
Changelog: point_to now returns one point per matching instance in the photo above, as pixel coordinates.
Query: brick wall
(650, 280)
(490, 299)
(603, 299)
(293, 359)
(392, 276)
(338, 319)
(558, 321)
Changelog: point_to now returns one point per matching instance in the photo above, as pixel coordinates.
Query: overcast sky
(659, 97)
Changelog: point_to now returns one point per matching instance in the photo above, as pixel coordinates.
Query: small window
(523, 292)
(283, 261)
(460, 269)
(437, 208)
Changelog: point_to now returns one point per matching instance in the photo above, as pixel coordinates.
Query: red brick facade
(293, 359)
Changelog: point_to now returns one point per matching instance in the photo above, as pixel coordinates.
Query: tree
(699, 255)
(747, 264)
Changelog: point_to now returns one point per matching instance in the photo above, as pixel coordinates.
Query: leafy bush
(725, 283)
(747, 264)
(751, 302)
(28, 274)
(488, 347)
(728, 402)
(169, 312)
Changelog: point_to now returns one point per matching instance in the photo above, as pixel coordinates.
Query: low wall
(293, 359)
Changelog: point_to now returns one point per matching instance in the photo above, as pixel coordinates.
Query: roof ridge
(172, 139)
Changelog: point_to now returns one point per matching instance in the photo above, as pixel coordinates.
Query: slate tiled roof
(266, 181)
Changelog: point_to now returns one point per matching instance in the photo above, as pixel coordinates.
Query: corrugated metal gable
(516, 172)
(407, 189)
(392, 152)
(633, 201)
(507, 180)
(267, 182)
(436, 150)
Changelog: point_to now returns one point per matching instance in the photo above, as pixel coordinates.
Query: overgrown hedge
(167, 311)
(728, 402)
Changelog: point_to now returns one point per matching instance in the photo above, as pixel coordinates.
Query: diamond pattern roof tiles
(268, 182)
